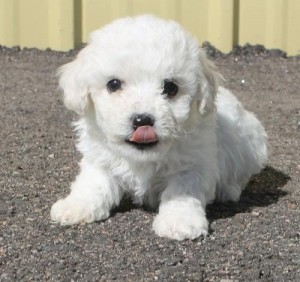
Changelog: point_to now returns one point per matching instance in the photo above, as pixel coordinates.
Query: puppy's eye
(170, 88)
(114, 85)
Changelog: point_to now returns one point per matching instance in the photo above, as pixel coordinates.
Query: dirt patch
(256, 238)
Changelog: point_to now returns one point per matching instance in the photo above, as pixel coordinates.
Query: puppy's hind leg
(242, 147)
(93, 194)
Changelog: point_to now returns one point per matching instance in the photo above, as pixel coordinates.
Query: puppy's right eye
(114, 85)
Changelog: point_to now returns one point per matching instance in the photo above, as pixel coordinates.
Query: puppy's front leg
(92, 196)
(182, 206)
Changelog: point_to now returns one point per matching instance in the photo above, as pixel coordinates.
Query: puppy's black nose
(142, 119)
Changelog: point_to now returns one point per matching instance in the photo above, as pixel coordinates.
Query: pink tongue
(144, 134)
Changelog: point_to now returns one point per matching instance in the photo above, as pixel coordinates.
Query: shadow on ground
(263, 190)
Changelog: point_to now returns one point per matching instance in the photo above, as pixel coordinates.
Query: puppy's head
(141, 79)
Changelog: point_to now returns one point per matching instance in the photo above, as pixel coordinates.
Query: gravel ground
(254, 239)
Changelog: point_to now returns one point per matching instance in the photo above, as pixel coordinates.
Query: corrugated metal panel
(97, 13)
(209, 20)
(61, 24)
(273, 23)
(293, 27)
(64, 24)
(9, 22)
(37, 23)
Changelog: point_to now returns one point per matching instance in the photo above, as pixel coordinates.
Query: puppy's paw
(180, 222)
(71, 210)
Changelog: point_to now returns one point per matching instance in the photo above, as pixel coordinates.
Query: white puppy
(155, 124)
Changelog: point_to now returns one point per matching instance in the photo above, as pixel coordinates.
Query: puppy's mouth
(144, 137)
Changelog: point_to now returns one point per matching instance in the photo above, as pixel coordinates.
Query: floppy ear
(208, 84)
(74, 85)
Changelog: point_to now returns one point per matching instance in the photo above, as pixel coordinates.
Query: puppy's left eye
(114, 85)
(170, 88)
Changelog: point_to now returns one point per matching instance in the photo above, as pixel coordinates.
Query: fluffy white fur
(209, 145)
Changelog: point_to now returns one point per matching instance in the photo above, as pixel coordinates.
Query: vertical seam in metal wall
(178, 11)
(17, 35)
(285, 38)
(77, 23)
(130, 8)
(236, 23)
